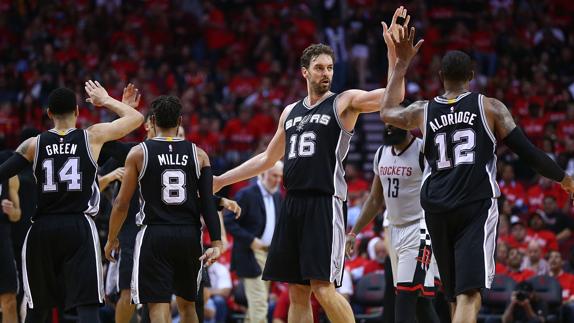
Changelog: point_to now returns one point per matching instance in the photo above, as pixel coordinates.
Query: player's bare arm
(129, 118)
(11, 206)
(122, 202)
(261, 162)
(351, 103)
(19, 161)
(413, 116)
(505, 129)
(373, 204)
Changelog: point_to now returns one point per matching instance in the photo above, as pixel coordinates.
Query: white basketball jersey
(401, 175)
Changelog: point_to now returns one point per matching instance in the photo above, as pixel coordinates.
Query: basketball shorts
(119, 274)
(413, 264)
(166, 262)
(61, 262)
(8, 270)
(464, 241)
(309, 241)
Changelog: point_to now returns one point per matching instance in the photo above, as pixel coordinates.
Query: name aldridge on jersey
(452, 119)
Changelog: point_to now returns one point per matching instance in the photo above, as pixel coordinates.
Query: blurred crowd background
(235, 65)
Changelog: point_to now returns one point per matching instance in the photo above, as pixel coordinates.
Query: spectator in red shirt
(533, 125)
(241, 136)
(518, 234)
(515, 257)
(537, 232)
(357, 186)
(512, 190)
(206, 139)
(566, 279)
(501, 258)
(546, 187)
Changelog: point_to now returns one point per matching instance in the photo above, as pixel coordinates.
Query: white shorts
(413, 263)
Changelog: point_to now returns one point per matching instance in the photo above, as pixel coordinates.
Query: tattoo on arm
(504, 122)
(23, 148)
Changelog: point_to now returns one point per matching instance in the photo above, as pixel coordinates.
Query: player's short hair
(456, 66)
(166, 109)
(62, 101)
(313, 51)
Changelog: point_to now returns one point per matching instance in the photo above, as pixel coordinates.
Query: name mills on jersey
(451, 119)
(172, 159)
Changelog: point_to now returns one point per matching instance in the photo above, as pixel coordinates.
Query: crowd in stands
(234, 64)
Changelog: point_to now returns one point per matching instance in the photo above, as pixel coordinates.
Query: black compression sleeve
(208, 211)
(13, 166)
(534, 157)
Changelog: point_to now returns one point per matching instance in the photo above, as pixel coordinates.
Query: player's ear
(50, 115)
(471, 76)
(304, 72)
(77, 111)
(179, 121)
(440, 77)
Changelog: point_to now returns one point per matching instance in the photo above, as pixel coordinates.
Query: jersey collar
(442, 100)
(308, 105)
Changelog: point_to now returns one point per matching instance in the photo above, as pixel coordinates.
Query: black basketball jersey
(459, 149)
(4, 194)
(316, 147)
(168, 182)
(65, 171)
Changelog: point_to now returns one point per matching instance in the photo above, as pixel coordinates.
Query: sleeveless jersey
(168, 182)
(65, 173)
(401, 175)
(459, 148)
(316, 149)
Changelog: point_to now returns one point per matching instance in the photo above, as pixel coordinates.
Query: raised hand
(131, 96)
(404, 45)
(97, 94)
(393, 31)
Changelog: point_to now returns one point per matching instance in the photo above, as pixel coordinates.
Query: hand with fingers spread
(393, 29)
(97, 94)
(131, 96)
(404, 45)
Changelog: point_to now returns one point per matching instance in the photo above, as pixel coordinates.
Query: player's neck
(64, 124)
(316, 97)
(453, 90)
(166, 133)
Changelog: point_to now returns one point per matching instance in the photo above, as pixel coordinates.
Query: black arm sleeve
(14, 165)
(116, 150)
(534, 157)
(208, 211)
(217, 202)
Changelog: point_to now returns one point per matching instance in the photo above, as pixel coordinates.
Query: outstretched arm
(20, 160)
(129, 118)
(506, 130)
(261, 162)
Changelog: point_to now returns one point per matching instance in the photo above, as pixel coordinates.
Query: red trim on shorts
(418, 287)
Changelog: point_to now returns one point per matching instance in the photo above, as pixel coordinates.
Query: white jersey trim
(27, 290)
(196, 161)
(339, 122)
(98, 255)
(484, 120)
(136, 269)
(489, 244)
(338, 242)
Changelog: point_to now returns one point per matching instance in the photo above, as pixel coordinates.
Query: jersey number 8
(173, 187)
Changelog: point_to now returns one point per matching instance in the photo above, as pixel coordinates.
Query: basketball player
(62, 243)
(313, 135)
(9, 213)
(398, 167)
(459, 191)
(122, 273)
(175, 186)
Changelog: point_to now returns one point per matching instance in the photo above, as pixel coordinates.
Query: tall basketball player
(62, 243)
(175, 187)
(398, 168)
(308, 247)
(460, 133)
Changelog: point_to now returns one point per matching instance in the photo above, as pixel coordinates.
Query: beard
(393, 136)
(320, 87)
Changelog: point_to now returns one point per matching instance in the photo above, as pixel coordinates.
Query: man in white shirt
(252, 233)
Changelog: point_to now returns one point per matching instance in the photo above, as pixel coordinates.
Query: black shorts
(464, 241)
(166, 262)
(309, 241)
(8, 271)
(119, 274)
(61, 262)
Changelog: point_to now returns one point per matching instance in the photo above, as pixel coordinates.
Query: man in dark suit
(252, 233)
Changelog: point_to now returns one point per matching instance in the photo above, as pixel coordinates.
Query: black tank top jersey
(169, 181)
(65, 174)
(459, 149)
(316, 147)
(4, 194)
